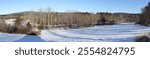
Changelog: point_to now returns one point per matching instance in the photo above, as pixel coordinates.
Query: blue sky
(130, 6)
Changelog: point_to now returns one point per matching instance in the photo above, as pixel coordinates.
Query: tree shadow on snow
(30, 38)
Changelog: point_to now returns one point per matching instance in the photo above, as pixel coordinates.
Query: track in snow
(106, 33)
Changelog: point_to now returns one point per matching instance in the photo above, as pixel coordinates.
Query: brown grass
(143, 38)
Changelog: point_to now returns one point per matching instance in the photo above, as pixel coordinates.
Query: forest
(46, 18)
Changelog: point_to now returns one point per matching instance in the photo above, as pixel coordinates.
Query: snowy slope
(106, 33)
(5, 37)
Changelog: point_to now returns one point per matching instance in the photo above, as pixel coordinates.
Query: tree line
(145, 16)
(45, 19)
(48, 19)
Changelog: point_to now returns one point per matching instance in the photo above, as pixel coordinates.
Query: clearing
(106, 33)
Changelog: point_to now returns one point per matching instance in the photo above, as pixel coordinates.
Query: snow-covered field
(106, 33)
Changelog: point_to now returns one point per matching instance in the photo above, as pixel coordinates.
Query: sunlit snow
(106, 33)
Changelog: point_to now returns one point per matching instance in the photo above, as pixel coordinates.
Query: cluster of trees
(48, 19)
(145, 16)
(54, 19)
(17, 28)
(13, 29)
(119, 17)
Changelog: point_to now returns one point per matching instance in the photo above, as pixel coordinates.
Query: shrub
(111, 22)
(16, 29)
(101, 21)
(143, 38)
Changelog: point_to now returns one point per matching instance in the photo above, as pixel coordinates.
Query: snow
(5, 37)
(107, 33)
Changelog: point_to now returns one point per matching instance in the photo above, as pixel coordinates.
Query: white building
(10, 22)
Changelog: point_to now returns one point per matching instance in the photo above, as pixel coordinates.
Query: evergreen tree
(29, 25)
(145, 16)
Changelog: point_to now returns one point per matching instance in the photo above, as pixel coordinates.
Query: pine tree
(29, 25)
(145, 16)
